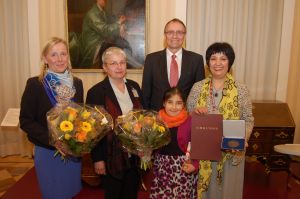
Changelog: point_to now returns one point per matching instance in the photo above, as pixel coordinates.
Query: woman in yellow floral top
(220, 93)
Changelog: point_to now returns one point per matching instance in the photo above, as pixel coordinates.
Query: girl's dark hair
(171, 92)
(220, 47)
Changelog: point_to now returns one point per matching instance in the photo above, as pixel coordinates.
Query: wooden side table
(289, 149)
(292, 150)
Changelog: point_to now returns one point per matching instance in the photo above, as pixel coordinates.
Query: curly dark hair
(220, 47)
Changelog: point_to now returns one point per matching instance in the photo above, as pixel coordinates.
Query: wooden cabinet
(273, 124)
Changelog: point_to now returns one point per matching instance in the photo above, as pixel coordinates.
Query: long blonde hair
(49, 44)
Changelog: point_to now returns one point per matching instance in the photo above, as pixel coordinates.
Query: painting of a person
(132, 40)
(96, 29)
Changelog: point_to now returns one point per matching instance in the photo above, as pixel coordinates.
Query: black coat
(109, 149)
(35, 103)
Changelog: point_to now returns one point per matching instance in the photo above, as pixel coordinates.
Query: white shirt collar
(111, 80)
(178, 53)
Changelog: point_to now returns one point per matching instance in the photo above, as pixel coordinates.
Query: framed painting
(95, 25)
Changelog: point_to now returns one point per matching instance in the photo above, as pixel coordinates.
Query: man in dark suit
(157, 69)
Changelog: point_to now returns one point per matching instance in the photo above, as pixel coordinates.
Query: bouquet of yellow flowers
(140, 132)
(75, 129)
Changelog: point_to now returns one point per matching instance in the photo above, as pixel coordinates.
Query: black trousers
(125, 188)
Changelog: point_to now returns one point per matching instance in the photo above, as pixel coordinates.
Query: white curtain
(252, 27)
(14, 68)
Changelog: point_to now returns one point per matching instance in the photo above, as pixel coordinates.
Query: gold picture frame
(86, 55)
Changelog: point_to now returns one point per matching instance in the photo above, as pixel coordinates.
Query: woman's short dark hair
(171, 92)
(220, 47)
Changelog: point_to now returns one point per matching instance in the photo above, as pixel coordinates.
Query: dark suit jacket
(35, 103)
(109, 148)
(155, 76)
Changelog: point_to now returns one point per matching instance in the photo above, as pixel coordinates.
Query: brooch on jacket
(134, 92)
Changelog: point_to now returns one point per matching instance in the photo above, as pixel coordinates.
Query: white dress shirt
(124, 99)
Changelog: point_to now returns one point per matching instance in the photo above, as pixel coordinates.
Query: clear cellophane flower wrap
(75, 129)
(141, 132)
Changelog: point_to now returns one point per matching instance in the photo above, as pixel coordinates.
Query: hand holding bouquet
(140, 132)
(75, 130)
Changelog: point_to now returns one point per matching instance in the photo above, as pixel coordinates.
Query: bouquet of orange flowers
(140, 132)
(75, 129)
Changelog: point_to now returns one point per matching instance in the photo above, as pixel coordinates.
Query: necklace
(216, 94)
(212, 97)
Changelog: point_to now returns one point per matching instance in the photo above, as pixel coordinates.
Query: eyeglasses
(115, 64)
(172, 33)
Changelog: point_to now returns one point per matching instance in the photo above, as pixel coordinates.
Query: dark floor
(275, 185)
(257, 185)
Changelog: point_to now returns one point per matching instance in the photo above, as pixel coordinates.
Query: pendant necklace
(212, 97)
(216, 94)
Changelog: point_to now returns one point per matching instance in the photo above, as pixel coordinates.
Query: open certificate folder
(206, 136)
(233, 134)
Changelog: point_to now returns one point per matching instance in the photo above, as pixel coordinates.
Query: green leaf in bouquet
(151, 138)
(126, 141)
(78, 149)
(141, 117)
